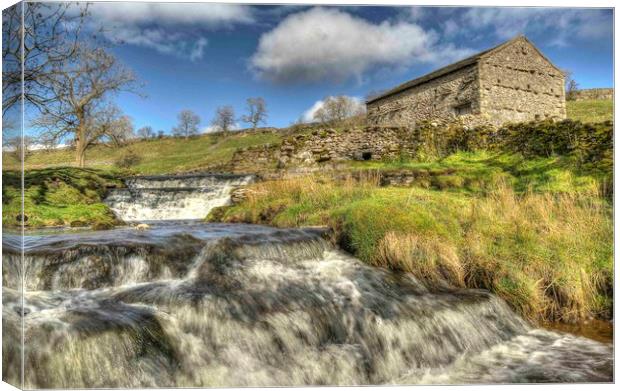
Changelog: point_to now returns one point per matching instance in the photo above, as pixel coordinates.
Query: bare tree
(145, 132)
(49, 37)
(48, 141)
(19, 146)
(571, 85)
(224, 118)
(81, 84)
(337, 109)
(257, 112)
(111, 125)
(188, 124)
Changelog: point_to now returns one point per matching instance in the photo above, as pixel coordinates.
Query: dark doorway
(366, 155)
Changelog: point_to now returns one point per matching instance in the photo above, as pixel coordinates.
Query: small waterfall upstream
(192, 304)
(178, 197)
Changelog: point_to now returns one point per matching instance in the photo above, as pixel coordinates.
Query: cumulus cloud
(326, 43)
(155, 25)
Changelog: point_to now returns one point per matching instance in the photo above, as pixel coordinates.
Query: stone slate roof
(451, 68)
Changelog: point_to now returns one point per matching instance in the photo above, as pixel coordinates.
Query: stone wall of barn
(513, 84)
(517, 84)
(445, 97)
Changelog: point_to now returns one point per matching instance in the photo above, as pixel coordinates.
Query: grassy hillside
(590, 110)
(170, 155)
(157, 156)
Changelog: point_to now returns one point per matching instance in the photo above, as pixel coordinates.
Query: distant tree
(145, 132)
(160, 134)
(188, 124)
(224, 118)
(337, 109)
(81, 85)
(111, 125)
(19, 146)
(571, 85)
(257, 112)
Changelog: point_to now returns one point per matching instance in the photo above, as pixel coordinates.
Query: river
(186, 303)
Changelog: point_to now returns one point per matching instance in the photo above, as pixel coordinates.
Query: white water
(213, 305)
(172, 197)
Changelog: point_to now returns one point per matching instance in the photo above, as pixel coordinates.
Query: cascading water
(177, 197)
(240, 305)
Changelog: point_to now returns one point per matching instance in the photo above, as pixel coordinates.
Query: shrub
(589, 144)
(128, 159)
(434, 140)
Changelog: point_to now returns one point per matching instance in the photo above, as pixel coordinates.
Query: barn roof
(449, 69)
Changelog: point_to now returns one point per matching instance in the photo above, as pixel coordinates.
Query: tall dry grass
(550, 256)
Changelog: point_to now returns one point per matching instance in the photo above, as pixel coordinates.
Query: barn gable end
(510, 82)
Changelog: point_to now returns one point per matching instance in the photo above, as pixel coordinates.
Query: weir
(173, 197)
(192, 304)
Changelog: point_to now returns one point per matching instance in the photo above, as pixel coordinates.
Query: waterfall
(177, 197)
(214, 305)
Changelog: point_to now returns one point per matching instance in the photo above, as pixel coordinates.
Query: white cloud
(213, 128)
(207, 15)
(559, 25)
(198, 49)
(416, 14)
(156, 25)
(326, 43)
(308, 116)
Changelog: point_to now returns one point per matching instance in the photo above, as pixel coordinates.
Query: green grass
(157, 156)
(548, 253)
(590, 110)
(477, 172)
(58, 197)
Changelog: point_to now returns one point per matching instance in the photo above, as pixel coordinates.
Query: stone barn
(512, 82)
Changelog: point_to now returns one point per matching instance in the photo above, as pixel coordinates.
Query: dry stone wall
(593, 94)
(326, 146)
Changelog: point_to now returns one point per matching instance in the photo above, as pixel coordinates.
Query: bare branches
(81, 85)
(188, 124)
(224, 118)
(337, 109)
(257, 112)
(571, 85)
(49, 35)
(145, 132)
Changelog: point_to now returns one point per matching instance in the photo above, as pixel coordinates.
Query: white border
(488, 3)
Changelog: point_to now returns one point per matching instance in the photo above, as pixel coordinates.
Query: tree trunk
(80, 147)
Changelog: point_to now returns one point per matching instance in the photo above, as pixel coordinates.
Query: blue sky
(200, 56)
